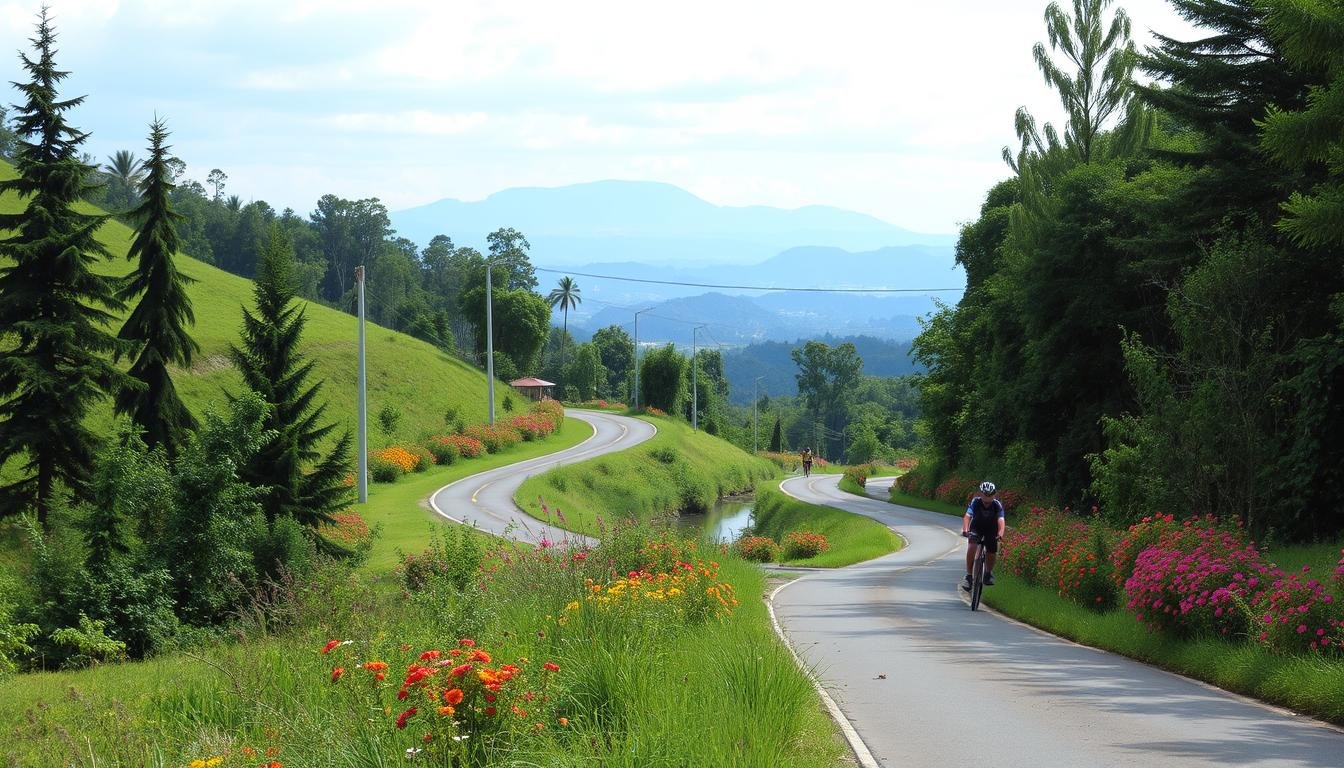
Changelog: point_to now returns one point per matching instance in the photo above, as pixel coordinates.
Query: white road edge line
(861, 752)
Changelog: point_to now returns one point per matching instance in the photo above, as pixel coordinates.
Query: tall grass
(715, 691)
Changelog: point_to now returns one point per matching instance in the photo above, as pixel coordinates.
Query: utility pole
(755, 398)
(635, 394)
(363, 439)
(695, 391)
(489, 341)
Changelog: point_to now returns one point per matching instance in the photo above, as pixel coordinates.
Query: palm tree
(126, 173)
(565, 296)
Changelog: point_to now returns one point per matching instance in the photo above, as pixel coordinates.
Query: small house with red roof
(534, 388)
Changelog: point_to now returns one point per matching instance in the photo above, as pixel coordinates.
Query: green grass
(852, 538)
(401, 509)
(675, 470)
(1314, 686)
(929, 505)
(406, 373)
(638, 689)
(849, 486)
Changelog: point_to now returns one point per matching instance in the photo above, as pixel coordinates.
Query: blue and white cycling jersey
(985, 516)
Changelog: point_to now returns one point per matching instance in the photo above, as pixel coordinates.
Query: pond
(725, 522)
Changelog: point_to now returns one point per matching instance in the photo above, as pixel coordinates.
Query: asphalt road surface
(926, 682)
(485, 500)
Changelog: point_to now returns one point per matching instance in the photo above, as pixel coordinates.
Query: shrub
(1298, 614)
(1085, 570)
(533, 426)
(453, 559)
(552, 410)
(495, 437)
(444, 450)
(1032, 546)
(467, 447)
(956, 489)
(424, 458)
(859, 474)
(14, 635)
(405, 460)
(383, 471)
(800, 545)
(88, 644)
(388, 418)
(761, 549)
(916, 482)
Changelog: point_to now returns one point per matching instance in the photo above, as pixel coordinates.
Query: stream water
(725, 522)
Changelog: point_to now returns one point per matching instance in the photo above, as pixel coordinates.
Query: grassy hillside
(676, 469)
(415, 377)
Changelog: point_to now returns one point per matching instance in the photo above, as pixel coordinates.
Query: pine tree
(53, 307)
(158, 323)
(298, 481)
(777, 437)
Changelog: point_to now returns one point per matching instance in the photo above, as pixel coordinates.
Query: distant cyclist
(807, 462)
(985, 516)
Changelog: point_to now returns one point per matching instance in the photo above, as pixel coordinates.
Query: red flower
(481, 656)
(467, 642)
(430, 655)
(460, 670)
(336, 673)
(327, 648)
(549, 667)
(453, 696)
(490, 710)
(404, 716)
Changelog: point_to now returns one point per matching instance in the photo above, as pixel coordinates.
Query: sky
(896, 109)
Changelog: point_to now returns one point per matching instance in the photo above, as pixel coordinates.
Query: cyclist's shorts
(991, 540)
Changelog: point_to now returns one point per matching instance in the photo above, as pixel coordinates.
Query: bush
(1085, 571)
(383, 471)
(405, 460)
(444, 450)
(761, 549)
(467, 447)
(800, 545)
(453, 559)
(88, 644)
(957, 489)
(424, 458)
(859, 474)
(14, 635)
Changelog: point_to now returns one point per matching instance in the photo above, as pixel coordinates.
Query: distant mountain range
(644, 231)
(648, 222)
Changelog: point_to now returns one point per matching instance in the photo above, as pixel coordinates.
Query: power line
(748, 287)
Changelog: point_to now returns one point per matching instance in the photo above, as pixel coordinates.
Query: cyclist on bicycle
(985, 516)
(807, 462)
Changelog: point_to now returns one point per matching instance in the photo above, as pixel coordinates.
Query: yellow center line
(482, 488)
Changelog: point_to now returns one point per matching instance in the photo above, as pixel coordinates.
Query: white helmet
(988, 488)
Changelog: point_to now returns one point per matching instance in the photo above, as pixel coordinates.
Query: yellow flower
(198, 763)
(573, 606)
(214, 761)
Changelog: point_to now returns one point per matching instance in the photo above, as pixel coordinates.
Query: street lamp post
(695, 391)
(755, 398)
(635, 394)
(363, 462)
(489, 342)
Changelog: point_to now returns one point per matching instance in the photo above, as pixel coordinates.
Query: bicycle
(978, 571)
(807, 469)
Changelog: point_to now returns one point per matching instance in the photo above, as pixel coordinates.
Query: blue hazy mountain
(648, 222)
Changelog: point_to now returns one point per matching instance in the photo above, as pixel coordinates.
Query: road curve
(485, 499)
(925, 682)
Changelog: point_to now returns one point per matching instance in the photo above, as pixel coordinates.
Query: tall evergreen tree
(299, 482)
(158, 324)
(53, 307)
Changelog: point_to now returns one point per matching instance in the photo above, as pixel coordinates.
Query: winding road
(485, 500)
(925, 682)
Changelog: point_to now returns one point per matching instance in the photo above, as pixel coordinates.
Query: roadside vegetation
(1195, 596)
(793, 527)
(677, 470)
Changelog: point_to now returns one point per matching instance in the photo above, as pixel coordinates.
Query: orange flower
(430, 655)
(460, 670)
(375, 666)
(453, 696)
(564, 721)
(481, 656)
(249, 752)
(467, 642)
(549, 667)
(327, 648)
(336, 673)
(446, 711)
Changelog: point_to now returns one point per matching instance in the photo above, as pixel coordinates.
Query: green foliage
(14, 634)
(662, 379)
(522, 324)
(827, 378)
(585, 372)
(299, 481)
(1311, 37)
(389, 416)
(88, 644)
(850, 538)
(157, 327)
(53, 306)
